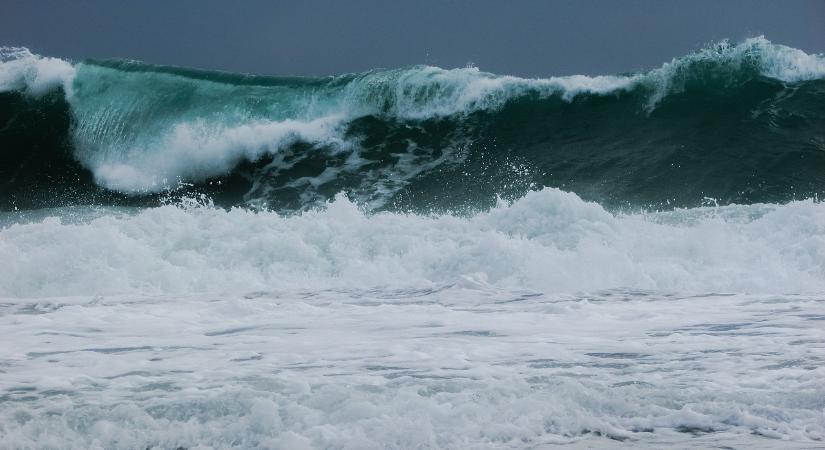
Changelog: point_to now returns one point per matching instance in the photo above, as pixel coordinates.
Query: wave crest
(145, 129)
(20, 70)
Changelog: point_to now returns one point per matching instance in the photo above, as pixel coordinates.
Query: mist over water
(413, 257)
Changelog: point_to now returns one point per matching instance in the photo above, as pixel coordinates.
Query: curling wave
(738, 123)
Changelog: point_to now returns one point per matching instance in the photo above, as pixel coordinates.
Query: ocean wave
(142, 129)
(550, 241)
(375, 260)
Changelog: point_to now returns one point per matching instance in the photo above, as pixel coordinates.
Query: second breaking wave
(548, 241)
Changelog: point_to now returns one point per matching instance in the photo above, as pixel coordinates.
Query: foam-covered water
(413, 258)
(461, 365)
(546, 321)
(549, 241)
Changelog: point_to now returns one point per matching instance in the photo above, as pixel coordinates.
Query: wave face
(735, 123)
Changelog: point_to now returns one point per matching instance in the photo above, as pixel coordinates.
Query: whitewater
(413, 258)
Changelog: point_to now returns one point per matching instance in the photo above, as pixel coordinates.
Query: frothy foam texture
(20, 70)
(549, 241)
(196, 149)
(462, 365)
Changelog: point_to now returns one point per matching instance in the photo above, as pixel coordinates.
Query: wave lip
(21, 70)
(724, 59)
(195, 149)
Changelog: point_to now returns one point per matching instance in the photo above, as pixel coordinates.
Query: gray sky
(528, 38)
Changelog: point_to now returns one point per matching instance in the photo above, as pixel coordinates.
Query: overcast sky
(313, 37)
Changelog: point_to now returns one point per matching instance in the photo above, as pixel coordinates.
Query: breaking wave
(548, 241)
(740, 123)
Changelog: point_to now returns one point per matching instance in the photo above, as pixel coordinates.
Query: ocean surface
(414, 257)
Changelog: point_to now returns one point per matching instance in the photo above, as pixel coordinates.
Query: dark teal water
(729, 124)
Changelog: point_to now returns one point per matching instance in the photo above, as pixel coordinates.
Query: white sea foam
(544, 322)
(193, 151)
(20, 70)
(779, 61)
(461, 365)
(550, 241)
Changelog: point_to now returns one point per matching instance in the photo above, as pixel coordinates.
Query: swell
(735, 123)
